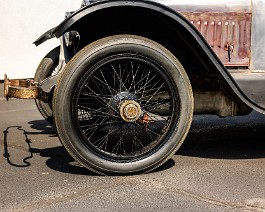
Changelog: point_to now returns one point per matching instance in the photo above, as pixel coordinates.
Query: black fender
(172, 16)
(46, 36)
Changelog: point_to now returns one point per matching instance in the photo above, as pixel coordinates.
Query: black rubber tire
(45, 69)
(89, 62)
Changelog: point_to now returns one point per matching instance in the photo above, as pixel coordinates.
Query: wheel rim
(125, 107)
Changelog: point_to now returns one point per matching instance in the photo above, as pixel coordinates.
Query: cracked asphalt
(220, 167)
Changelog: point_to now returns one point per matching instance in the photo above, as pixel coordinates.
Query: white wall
(21, 23)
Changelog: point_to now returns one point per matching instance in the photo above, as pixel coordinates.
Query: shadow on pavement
(209, 137)
(226, 138)
(43, 127)
(167, 165)
(6, 151)
(58, 158)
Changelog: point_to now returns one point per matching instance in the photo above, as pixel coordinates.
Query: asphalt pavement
(220, 167)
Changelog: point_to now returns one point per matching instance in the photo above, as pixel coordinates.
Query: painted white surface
(209, 5)
(21, 23)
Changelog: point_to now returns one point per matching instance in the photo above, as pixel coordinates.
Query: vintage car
(122, 87)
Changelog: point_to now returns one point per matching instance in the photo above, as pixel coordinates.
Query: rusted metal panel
(22, 89)
(225, 24)
(229, 34)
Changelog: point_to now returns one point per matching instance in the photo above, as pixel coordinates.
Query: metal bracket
(21, 89)
(230, 49)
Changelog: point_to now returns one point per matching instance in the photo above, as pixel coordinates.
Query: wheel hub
(124, 104)
(130, 110)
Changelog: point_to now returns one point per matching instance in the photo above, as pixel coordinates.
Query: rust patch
(22, 93)
(223, 29)
(22, 89)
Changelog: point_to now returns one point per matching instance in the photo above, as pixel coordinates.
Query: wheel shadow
(209, 137)
(7, 155)
(58, 158)
(43, 127)
(226, 138)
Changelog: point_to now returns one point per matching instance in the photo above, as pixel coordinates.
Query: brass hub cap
(130, 111)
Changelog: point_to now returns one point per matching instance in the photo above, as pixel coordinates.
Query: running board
(253, 85)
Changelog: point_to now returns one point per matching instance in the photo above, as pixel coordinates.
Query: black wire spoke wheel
(119, 105)
(113, 107)
(47, 67)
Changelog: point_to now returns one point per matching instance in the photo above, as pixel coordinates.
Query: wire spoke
(98, 96)
(121, 85)
(107, 84)
(102, 139)
(104, 84)
(136, 142)
(134, 76)
(155, 104)
(155, 93)
(101, 87)
(97, 112)
(92, 128)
